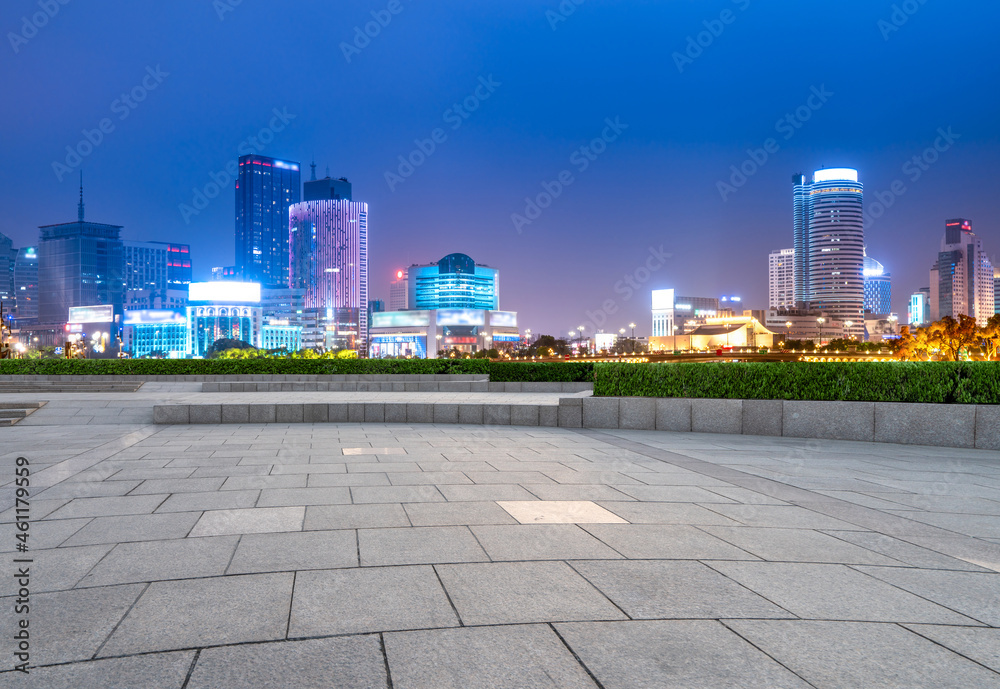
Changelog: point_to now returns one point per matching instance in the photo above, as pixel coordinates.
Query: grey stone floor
(355, 555)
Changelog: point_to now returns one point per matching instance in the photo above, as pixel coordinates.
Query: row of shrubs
(499, 371)
(941, 382)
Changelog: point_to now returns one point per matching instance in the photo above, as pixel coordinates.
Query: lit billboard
(663, 299)
(92, 314)
(400, 319)
(461, 317)
(224, 291)
(503, 319)
(155, 317)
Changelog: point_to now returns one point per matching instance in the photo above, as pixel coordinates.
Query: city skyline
(649, 179)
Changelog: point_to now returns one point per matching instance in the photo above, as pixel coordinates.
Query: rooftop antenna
(328, 172)
(313, 166)
(79, 210)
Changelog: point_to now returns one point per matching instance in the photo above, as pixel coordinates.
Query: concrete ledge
(943, 425)
(946, 425)
(988, 427)
(637, 413)
(717, 416)
(673, 414)
(831, 420)
(762, 417)
(600, 412)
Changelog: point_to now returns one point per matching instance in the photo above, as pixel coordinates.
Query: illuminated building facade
(162, 333)
(329, 260)
(781, 279)
(828, 230)
(878, 287)
(426, 333)
(265, 189)
(454, 282)
(674, 315)
(919, 310)
(962, 278)
(223, 311)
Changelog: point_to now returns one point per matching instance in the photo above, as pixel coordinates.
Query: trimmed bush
(934, 382)
(501, 371)
(545, 372)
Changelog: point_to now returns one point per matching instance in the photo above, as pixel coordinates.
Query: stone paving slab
(360, 549)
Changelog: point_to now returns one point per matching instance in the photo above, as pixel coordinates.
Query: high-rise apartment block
(962, 279)
(829, 245)
(781, 279)
(265, 189)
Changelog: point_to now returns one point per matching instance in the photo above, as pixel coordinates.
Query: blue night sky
(225, 67)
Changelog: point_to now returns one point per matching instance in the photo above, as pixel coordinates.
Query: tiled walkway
(353, 555)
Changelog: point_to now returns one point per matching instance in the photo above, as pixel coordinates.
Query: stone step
(13, 413)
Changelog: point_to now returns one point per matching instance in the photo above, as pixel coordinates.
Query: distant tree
(951, 336)
(222, 345)
(989, 337)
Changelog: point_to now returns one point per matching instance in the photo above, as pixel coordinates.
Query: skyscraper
(8, 254)
(962, 277)
(781, 279)
(878, 287)
(26, 285)
(996, 289)
(79, 264)
(328, 242)
(829, 245)
(265, 189)
(454, 282)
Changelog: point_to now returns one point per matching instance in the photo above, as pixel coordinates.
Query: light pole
(892, 323)
(848, 324)
(438, 338)
(632, 325)
(821, 321)
(580, 328)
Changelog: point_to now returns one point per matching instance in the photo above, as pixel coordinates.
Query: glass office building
(828, 230)
(156, 265)
(878, 287)
(223, 311)
(454, 282)
(79, 264)
(159, 333)
(26, 285)
(265, 189)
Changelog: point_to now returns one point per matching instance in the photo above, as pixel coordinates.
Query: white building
(424, 333)
(399, 290)
(781, 279)
(674, 315)
(918, 314)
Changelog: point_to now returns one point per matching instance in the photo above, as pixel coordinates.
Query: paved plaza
(311, 556)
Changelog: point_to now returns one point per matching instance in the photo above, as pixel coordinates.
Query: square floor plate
(559, 512)
(374, 451)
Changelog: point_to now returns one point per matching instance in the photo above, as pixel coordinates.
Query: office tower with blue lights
(829, 244)
(265, 189)
(919, 310)
(878, 287)
(156, 265)
(454, 282)
(962, 277)
(328, 259)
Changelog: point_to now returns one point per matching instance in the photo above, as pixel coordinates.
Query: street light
(848, 324)
(821, 321)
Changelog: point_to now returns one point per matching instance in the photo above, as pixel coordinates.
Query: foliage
(937, 382)
(226, 344)
(499, 371)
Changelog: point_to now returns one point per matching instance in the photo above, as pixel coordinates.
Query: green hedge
(544, 372)
(211, 367)
(938, 382)
(500, 371)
